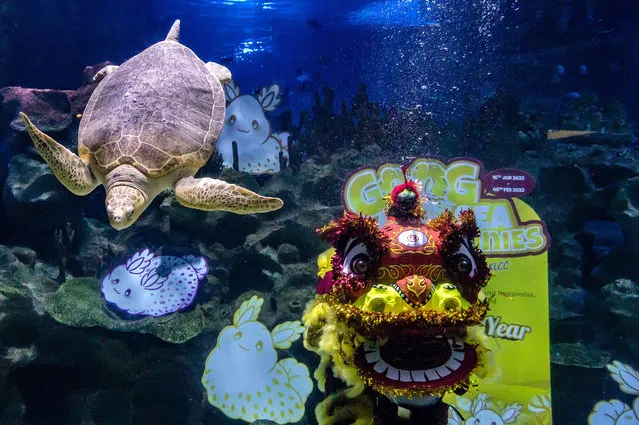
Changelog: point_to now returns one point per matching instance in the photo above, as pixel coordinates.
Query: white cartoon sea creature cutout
(483, 415)
(616, 412)
(246, 127)
(453, 417)
(541, 406)
(242, 376)
(152, 285)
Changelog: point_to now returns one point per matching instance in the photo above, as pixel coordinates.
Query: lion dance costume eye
(397, 317)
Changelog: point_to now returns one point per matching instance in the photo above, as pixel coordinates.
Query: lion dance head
(397, 315)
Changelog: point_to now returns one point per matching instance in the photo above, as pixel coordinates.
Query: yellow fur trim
(330, 333)
(324, 262)
(376, 323)
(485, 347)
(337, 408)
(336, 343)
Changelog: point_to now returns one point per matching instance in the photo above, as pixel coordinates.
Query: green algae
(79, 303)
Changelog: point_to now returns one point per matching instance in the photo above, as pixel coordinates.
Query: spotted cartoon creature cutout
(154, 286)
(247, 142)
(243, 377)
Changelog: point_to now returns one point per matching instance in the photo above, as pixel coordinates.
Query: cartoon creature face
(154, 285)
(485, 417)
(246, 142)
(242, 376)
(123, 288)
(246, 343)
(245, 122)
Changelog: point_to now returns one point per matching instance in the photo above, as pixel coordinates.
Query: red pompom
(407, 185)
(412, 186)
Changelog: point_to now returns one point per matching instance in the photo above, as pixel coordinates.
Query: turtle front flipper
(69, 168)
(216, 195)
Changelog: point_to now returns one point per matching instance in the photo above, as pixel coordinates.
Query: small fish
(573, 95)
(583, 69)
(154, 286)
(565, 134)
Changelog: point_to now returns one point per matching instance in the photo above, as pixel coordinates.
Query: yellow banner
(515, 241)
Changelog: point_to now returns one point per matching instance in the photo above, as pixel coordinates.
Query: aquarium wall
(319, 212)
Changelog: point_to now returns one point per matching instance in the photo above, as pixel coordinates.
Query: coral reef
(79, 302)
(50, 109)
(55, 248)
(413, 131)
(591, 266)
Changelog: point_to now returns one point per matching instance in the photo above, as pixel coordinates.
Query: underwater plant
(489, 131)
(64, 237)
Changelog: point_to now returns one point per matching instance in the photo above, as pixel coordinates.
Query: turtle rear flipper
(69, 168)
(99, 76)
(217, 195)
(174, 32)
(222, 73)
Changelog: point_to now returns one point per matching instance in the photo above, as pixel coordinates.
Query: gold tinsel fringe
(372, 322)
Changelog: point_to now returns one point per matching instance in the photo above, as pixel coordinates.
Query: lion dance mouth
(416, 366)
(398, 310)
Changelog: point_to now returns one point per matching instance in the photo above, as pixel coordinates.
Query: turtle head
(126, 196)
(124, 204)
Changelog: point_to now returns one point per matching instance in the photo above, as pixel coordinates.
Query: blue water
(429, 53)
(450, 60)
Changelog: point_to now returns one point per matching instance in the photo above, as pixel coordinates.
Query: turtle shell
(159, 111)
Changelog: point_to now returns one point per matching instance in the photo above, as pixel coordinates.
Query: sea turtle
(150, 125)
